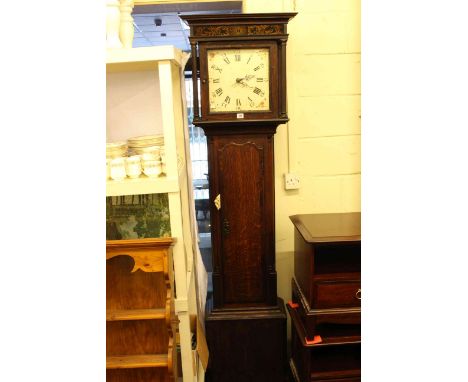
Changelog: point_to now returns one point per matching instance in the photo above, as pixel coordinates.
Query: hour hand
(240, 81)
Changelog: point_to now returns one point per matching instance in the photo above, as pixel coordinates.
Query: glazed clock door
(243, 241)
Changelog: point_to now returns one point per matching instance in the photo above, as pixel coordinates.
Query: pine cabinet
(140, 320)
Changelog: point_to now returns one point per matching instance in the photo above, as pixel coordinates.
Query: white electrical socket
(291, 181)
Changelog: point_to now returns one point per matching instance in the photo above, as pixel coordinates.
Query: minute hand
(245, 85)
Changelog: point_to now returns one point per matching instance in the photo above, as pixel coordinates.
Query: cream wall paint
(321, 142)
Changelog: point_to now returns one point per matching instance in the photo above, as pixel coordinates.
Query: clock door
(243, 243)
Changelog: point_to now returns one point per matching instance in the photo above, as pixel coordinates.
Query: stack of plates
(116, 150)
(147, 144)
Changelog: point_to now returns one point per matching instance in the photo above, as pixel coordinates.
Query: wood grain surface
(136, 361)
(140, 316)
(242, 196)
(331, 227)
(135, 314)
(137, 290)
(247, 345)
(243, 229)
(137, 375)
(329, 322)
(326, 287)
(136, 337)
(149, 255)
(316, 363)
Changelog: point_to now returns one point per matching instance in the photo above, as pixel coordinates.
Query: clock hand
(240, 81)
(246, 85)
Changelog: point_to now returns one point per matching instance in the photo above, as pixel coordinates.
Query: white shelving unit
(145, 97)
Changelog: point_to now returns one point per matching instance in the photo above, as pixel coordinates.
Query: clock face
(238, 80)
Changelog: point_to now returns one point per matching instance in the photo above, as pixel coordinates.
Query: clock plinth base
(246, 345)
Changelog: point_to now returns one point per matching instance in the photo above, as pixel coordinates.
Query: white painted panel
(133, 105)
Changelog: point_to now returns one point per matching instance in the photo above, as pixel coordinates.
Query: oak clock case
(240, 160)
(242, 66)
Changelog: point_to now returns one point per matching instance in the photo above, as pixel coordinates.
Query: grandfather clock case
(242, 71)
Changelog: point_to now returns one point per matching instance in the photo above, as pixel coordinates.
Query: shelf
(327, 340)
(142, 185)
(139, 59)
(135, 314)
(136, 361)
(321, 375)
(337, 276)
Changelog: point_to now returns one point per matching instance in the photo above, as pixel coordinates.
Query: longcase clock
(242, 72)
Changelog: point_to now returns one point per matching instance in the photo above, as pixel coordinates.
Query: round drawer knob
(358, 294)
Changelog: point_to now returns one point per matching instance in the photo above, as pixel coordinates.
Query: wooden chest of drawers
(326, 297)
(335, 358)
(336, 321)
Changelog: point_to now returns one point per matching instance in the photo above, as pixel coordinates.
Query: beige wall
(321, 142)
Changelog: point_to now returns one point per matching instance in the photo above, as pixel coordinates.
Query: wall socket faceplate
(291, 181)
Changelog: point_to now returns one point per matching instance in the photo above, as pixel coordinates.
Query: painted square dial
(238, 80)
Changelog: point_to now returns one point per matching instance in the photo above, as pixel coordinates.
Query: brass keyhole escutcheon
(217, 202)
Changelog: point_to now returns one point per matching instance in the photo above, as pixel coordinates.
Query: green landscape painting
(137, 216)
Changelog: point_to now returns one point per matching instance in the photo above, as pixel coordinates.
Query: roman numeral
(259, 66)
(227, 100)
(259, 79)
(251, 103)
(238, 102)
(258, 92)
(219, 91)
(237, 57)
(249, 59)
(216, 68)
(216, 80)
(226, 59)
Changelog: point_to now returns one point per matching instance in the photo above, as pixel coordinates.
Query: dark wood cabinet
(326, 298)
